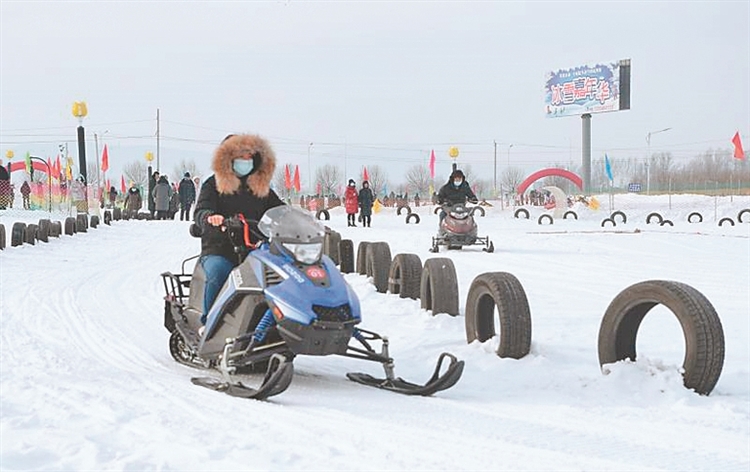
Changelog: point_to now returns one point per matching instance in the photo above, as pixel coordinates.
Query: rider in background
(243, 166)
(455, 191)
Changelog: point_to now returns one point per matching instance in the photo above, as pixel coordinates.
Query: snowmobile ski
(436, 383)
(277, 379)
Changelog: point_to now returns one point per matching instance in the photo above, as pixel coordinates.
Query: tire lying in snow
(18, 234)
(503, 291)
(656, 215)
(2, 236)
(623, 218)
(362, 257)
(412, 216)
(438, 287)
(570, 213)
(521, 212)
(323, 213)
(378, 265)
(55, 229)
(81, 223)
(696, 214)
(94, 221)
(405, 276)
(742, 212)
(44, 230)
(704, 335)
(331, 242)
(70, 226)
(31, 233)
(403, 207)
(346, 254)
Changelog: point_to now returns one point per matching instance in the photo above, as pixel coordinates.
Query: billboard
(595, 88)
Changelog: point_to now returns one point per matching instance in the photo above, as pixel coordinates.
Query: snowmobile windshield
(295, 230)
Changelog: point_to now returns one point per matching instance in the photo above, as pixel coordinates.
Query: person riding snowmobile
(455, 191)
(243, 166)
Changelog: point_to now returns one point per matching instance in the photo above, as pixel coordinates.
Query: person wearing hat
(351, 203)
(186, 190)
(455, 191)
(243, 166)
(366, 201)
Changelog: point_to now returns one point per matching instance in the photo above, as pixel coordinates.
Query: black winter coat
(366, 200)
(453, 195)
(211, 202)
(186, 191)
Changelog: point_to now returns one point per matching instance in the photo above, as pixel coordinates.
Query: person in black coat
(366, 200)
(455, 191)
(187, 196)
(243, 167)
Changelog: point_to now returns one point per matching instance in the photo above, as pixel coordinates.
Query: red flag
(297, 185)
(287, 178)
(739, 153)
(432, 164)
(105, 159)
(122, 184)
(58, 168)
(365, 175)
(108, 185)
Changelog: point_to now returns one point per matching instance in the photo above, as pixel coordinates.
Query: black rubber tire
(438, 287)
(378, 265)
(18, 234)
(726, 220)
(545, 217)
(742, 212)
(362, 257)
(31, 233)
(2, 236)
(331, 245)
(70, 225)
(346, 254)
(323, 213)
(521, 211)
(695, 213)
(503, 291)
(654, 215)
(413, 216)
(477, 209)
(621, 214)
(701, 326)
(116, 214)
(55, 229)
(403, 207)
(666, 222)
(81, 223)
(43, 231)
(94, 221)
(405, 276)
(608, 220)
(108, 218)
(436, 210)
(571, 213)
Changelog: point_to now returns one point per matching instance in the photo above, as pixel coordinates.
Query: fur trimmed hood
(264, 164)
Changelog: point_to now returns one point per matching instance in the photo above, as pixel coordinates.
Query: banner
(739, 153)
(105, 159)
(432, 164)
(297, 186)
(608, 168)
(287, 178)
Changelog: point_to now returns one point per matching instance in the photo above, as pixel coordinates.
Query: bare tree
(510, 179)
(378, 180)
(184, 166)
(136, 172)
(418, 180)
(329, 177)
(279, 183)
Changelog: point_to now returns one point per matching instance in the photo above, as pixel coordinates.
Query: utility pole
(157, 140)
(494, 186)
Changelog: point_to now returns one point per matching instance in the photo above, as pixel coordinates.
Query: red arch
(548, 172)
(21, 165)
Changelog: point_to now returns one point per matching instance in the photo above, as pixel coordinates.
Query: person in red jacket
(351, 202)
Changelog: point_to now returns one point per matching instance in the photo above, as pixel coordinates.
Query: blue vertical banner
(608, 167)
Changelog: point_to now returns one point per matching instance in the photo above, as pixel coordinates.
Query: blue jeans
(217, 269)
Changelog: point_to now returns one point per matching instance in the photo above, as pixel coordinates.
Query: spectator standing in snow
(366, 200)
(152, 181)
(25, 192)
(133, 201)
(351, 203)
(187, 196)
(162, 195)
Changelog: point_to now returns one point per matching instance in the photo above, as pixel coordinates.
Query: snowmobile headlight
(307, 253)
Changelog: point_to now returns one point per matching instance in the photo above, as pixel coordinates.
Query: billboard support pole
(586, 152)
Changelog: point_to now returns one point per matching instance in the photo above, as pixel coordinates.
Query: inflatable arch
(16, 166)
(552, 171)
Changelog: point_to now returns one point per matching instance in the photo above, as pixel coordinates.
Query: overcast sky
(377, 82)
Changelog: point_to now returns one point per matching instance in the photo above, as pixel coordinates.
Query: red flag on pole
(297, 185)
(122, 184)
(287, 178)
(432, 164)
(105, 159)
(58, 168)
(739, 153)
(365, 175)
(108, 185)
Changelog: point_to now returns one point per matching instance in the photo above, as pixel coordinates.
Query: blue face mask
(242, 167)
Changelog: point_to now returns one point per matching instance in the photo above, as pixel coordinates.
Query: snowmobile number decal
(316, 273)
(291, 270)
(237, 278)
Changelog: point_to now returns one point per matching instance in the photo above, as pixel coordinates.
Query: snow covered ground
(87, 382)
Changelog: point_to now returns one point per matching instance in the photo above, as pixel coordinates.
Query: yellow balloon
(453, 152)
(149, 156)
(79, 109)
(9, 154)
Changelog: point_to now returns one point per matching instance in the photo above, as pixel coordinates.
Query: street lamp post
(309, 169)
(648, 158)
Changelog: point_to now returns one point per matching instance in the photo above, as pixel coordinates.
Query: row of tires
(435, 284)
(656, 217)
(30, 233)
(410, 217)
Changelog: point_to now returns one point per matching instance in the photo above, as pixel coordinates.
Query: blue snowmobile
(285, 299)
